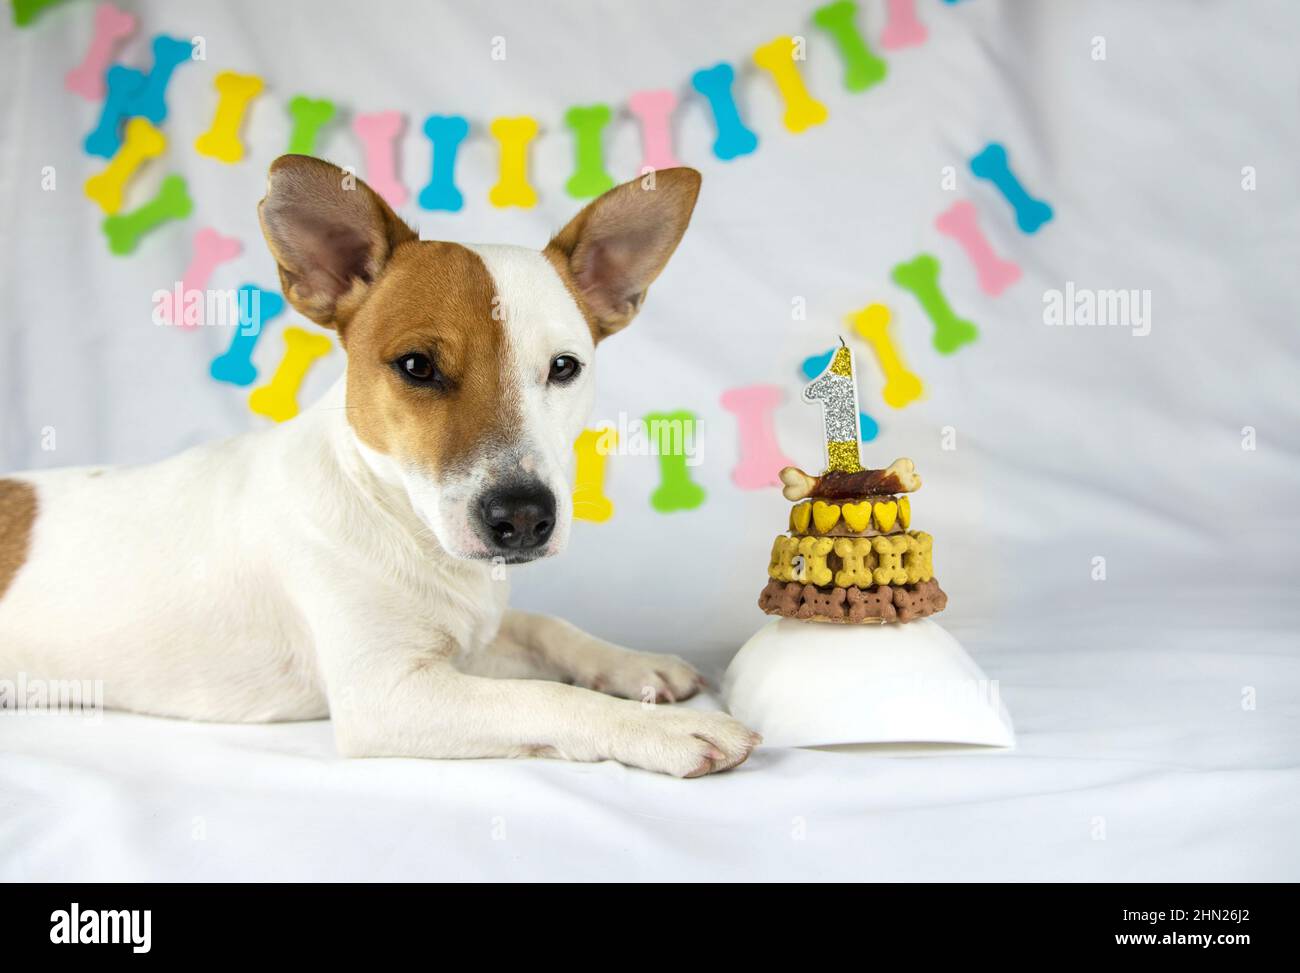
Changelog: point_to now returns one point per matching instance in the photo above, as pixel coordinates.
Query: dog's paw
(684, 742)
(644, 676)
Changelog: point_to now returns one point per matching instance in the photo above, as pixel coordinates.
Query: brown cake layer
(882, 603)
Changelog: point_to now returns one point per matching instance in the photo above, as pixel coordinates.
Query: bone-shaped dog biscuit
(309, 116)
(902, 29)
(256, 308)
(920, 276)
(379, 133)
(901, 385)
(961, 222)
(151, 100)
(111, 27)
(589, 500)
(802, 110)
(221, 141)
(992, 164)
(512, 187)
(862, 68)
(106, 137)
(446, 132)
(653, 111)
(589, 178)
(761, 459)
(734, 138)
(278, 400)
(143, 142)
(172, 202)
(211, 249)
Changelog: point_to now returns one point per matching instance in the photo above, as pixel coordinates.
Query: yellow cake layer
(853, 561)
(817, 517)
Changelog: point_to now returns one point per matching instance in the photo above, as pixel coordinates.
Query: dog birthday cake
(850, 555)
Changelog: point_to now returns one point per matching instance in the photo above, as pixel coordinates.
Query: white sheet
(1138, 758)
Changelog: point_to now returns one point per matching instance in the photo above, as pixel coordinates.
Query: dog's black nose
(519, 519)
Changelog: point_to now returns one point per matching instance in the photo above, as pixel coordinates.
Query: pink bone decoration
(761, 459)
(87, 78)
(211, 249)
(379, 131)
(653, 110)
(902, 29)
(961, 222)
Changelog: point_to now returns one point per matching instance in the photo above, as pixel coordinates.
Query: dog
(348, 563)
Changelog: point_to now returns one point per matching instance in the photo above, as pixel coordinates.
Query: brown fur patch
(434, 299)
(17, 515)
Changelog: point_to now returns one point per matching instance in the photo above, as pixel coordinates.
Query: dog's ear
(330, 234)
(615, 248)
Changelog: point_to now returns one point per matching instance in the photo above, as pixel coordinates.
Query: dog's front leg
(394, 700)
(559, 650)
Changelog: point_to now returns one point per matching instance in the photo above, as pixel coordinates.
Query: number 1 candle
(837, 390)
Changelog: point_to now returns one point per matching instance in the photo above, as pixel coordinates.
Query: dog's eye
(418, 369)
(564, 369)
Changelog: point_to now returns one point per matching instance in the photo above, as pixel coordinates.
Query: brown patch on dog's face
(18, 507)
(434, 300)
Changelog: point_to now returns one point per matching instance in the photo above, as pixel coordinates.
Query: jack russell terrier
(342, 564)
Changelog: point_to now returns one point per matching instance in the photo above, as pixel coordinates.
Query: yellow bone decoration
(814, 551)
(904, 512)
(278, 400)
(142, 142)
(221, 140)
(857, 515)
(825, 515)
(857, 559)
(889, 559)
(589, 500)
(918, 561)
(802, 110)
(886, 514)
(799, 516)
(512, 187)
(901, 385)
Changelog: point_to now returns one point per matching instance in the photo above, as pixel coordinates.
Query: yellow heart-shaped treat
(857, 515)
(825, 515)
(904, 512)
(799, 515)
(886, 514)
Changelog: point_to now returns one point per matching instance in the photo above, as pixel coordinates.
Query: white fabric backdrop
(1071, 442)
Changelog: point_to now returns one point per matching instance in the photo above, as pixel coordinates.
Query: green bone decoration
(920, 276)
(676, 490)
(309, 116)
(172, 202)
(589, 178)
(862, 68)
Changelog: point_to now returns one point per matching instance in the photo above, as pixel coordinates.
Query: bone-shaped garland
(512, 187)
(734, 138)
(150, 101)
(143, 142)
(257, 308)
(920, 276)
(676, 490)
(901, 385)
(961, 222)
(278, 400)
(802, 110)
(111, 27)
(761, 459)
(211, 249)
(902, 29)
(862, 68)
(172, 202)
(105, 139)
(589, 178)
(654, 110)
(446, 132)
(589, 500)
(991, 163)
(235, 92)
(379, 133)
(309, 116)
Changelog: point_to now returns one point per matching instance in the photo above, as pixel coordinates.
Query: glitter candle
(837, 391)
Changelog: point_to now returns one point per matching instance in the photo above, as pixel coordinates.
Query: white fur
(292, 574)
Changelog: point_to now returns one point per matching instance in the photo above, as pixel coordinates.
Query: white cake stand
(906, 687)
